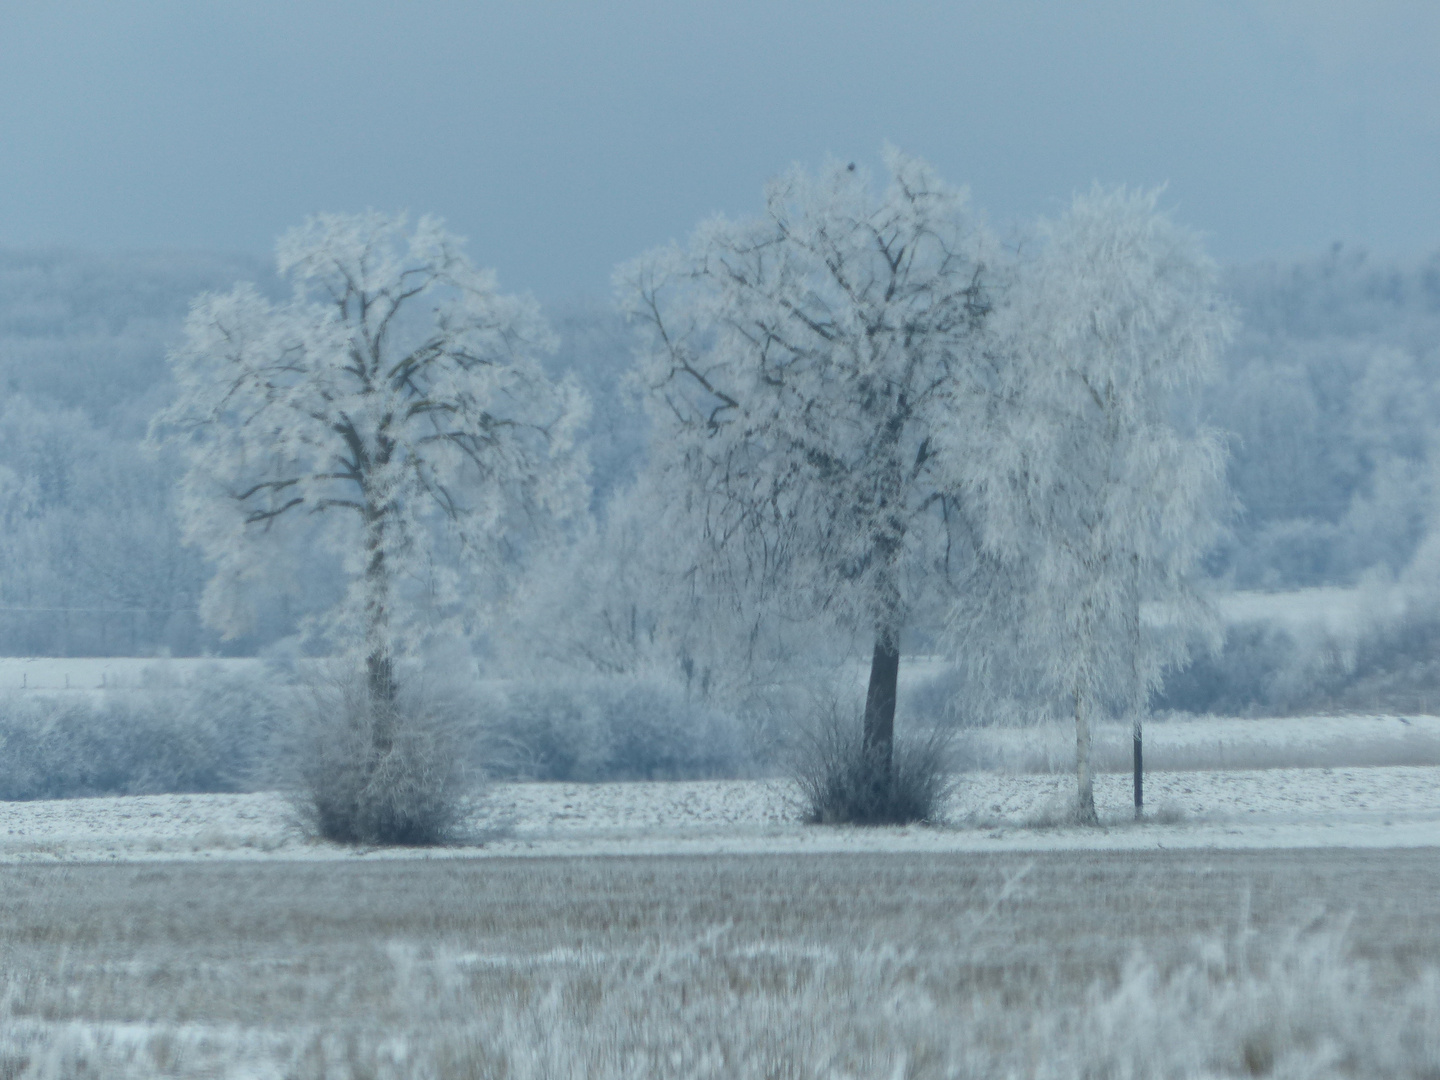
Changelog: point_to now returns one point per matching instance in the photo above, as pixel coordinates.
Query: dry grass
(841, 781)
(1061, 965)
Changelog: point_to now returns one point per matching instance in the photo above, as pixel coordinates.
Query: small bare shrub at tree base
(379, 772)
(843, 781)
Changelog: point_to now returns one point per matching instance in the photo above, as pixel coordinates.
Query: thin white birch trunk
(1085, 782)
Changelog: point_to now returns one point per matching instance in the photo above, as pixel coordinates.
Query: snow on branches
(801, 370)
(396, 402)
(1097, 505)
(874, 413)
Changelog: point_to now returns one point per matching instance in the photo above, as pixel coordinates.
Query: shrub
(609, 727)
(1262, 669)
(844, 782)
(212, 733)
(411, 792)
(1269, 669)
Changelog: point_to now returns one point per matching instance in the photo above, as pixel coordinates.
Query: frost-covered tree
(93, 561)
(805, 371)
(1101, 504)
(596, 600)
(622, 597)
(1331, 388)
(395, 404)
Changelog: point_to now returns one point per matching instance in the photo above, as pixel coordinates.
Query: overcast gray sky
(564, 137)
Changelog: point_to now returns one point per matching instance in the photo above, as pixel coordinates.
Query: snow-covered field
(1261, 921)
(1258, 808)
(1214, 744)
(1055, 965)
(1339, 611)
(1363, 781)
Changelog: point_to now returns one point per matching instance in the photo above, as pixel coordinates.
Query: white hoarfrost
(800, 369)
(1098, 502)
(395, 404)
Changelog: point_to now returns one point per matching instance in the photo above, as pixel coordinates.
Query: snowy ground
(1056, 965)
(1263, 921)
(1362, 781)
(1269, 808)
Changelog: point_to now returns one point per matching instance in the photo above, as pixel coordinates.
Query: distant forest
(1330, 391)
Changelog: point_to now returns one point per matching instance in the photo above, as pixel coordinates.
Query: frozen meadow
(1310, 781)
(1381, 806)
(1273, 921)
(1055, 964)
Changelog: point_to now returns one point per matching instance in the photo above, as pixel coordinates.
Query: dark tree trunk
(1139, 775)
(380, 677)
(379, 657)
(879, 737)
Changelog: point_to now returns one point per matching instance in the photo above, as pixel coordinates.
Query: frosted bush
(611, 727)
(211, 733)
(1267, 669)
(354, 787)
(842, 781)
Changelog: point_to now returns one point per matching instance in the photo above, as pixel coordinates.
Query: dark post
(1139, 775)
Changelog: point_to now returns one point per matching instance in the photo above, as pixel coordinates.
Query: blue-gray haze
(562, 138)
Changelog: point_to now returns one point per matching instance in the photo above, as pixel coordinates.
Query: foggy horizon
(561, 142)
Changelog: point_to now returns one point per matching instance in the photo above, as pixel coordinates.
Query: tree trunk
(380, 677)
(1139, 773)
(379, 656)
(879, 737)
(1085, 783)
